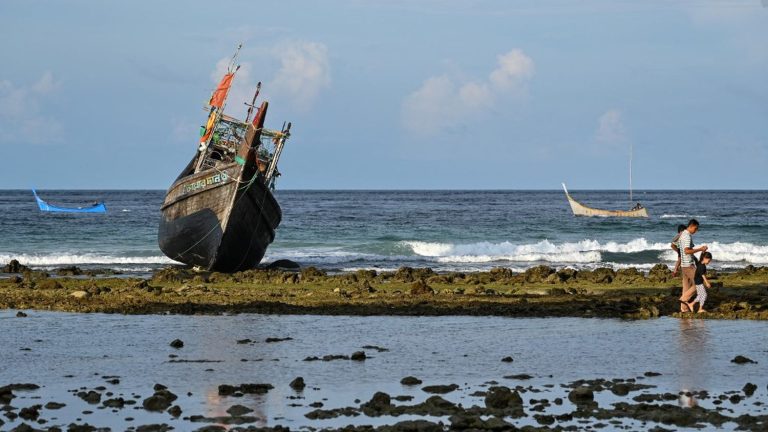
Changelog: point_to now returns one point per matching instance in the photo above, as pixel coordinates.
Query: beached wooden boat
(220, 213)
(580, 209)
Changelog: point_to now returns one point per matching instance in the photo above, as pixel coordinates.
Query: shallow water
(45, 347)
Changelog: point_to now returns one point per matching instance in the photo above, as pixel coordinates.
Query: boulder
(581, 395)
(602, 275)
(538, 274)
(567, 274)
(629, 275)
(160, 401)
(421, 288)
(660, 273)
(14, 267)
(298, 384)
(502, 397)
(69, 271)
(378, 403)
(283, 264)
(410, 381)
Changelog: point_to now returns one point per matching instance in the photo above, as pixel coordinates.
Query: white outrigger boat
(579, 209)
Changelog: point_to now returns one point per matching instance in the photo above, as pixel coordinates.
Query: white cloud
(304, 72)
(515, 68)
(442, 101)
(22, 120)
(610, 128)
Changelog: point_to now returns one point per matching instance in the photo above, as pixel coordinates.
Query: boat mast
(252, 105)
(217, 109)
(630, 176)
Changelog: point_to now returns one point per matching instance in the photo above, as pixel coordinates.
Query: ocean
(384, 230)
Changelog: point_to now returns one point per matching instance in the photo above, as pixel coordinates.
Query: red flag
(220, 94)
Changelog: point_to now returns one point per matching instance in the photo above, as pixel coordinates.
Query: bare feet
(685, 307)
(702, 310)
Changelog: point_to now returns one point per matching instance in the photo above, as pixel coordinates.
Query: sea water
(63, 352)
(383, 230)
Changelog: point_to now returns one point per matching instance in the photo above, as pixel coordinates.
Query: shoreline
(538, 292)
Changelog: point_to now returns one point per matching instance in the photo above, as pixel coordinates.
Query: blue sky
(393, 94)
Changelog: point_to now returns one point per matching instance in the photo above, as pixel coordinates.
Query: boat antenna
(630, 176)
(231, 67)
(252, 105)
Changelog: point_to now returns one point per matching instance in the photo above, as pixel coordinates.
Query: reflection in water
(693, 342)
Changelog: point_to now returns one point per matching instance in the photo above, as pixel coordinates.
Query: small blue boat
(99, 207)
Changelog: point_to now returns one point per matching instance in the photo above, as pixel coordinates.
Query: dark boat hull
(220, 219)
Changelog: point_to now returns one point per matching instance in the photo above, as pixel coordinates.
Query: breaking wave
(585, 251)
(83, 259)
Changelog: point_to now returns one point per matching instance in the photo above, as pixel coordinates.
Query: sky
(395, 94)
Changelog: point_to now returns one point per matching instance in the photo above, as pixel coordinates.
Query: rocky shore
(538, 292)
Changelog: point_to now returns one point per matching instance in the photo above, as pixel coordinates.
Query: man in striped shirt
(687, 265)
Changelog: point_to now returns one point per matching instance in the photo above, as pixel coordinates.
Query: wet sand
(538, 292)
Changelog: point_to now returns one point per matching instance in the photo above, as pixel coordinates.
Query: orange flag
(220, 94)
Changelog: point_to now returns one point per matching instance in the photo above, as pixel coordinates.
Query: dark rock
(378, 403)
(602, 275)
(15, 267)
(277, 339)
(620, 389)
(652, 374)
(749, 389)
(507, 359)
(175, 411)
(660, 273)
(283, 264)
(440, 389)
(310, 273)
(581, 395)
(244, 341)
(158, 387)
(69, 271)
(228, 390)
(297, 384)
(518, 377)
(30, 413)
(154, 428)
(238, 410)
(629, 275)
(160, 401)
(92, 397)
(54, 405)
(114, 403)
(567, 274)
(537, 274)
(410, 381)
(739, 359)
(20, 314)
(420, 287)
(177, 343)
(502, 398)
(358, 356)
